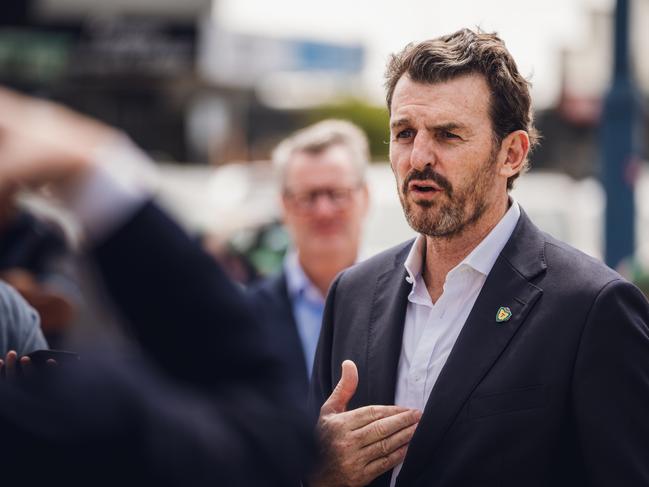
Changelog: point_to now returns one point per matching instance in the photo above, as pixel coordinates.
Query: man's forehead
(334, 154)
(332, 163)
(462, 95)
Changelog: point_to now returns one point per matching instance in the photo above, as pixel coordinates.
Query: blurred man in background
(321, 171)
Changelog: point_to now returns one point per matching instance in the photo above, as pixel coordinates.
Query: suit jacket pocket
(532, 397)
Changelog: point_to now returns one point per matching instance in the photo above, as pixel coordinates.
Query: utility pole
(618, 137)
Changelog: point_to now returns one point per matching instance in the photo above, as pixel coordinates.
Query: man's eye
(405, 134)
(450, 135)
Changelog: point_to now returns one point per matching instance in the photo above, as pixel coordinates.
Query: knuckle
(384, 446)
(373, 412)
(332, 422)
(385, 462)
(379, 429)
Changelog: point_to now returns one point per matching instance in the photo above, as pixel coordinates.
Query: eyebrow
(400, 122)
(448, 126)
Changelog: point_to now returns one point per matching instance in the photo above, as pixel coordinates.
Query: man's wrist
(111, 185)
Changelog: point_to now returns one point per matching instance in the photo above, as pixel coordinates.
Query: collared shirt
(430, 330)
(20, 325)
(308, 306)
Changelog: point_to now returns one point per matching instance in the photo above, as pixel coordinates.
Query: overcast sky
(533, 30)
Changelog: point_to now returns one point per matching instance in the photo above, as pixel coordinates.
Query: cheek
(295, 224)
(399, 167)
(354, 219)
(398, 154)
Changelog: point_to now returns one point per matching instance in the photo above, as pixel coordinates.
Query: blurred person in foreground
(321, 172)
(484, 352)
(205, 403)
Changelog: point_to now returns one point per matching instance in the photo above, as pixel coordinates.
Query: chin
(328, 243)
(330, 238)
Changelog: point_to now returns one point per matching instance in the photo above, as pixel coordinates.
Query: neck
(444, 253)
(322, 269)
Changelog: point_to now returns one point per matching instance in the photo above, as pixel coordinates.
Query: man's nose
(323, 205)
(423, 151)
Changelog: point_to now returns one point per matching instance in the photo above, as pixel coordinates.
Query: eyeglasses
(307, 200)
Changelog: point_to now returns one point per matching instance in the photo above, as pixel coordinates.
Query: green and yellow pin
(503, 314)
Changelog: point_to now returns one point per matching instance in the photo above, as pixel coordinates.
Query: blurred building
(571, 129)
(164, 71)
(125, 62)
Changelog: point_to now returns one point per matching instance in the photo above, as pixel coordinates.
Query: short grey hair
(319, 137)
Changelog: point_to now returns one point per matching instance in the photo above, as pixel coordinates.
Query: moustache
(428, 174)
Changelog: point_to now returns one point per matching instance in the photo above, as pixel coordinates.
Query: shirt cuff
(118, 184)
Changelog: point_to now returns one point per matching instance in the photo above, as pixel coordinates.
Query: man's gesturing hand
(361, 444)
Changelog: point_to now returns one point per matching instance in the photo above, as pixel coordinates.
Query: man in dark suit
(324, 198)
(206, 402)
(485, 352)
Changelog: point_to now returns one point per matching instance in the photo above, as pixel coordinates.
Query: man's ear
(365, 195)
(513, 152)
(283, 205)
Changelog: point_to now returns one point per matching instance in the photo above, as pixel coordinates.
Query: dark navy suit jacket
(556, 396)
(206, 403)
(272, 301)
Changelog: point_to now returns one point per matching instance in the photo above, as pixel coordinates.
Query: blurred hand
(361, 444)
(42, 142)
(9, 368)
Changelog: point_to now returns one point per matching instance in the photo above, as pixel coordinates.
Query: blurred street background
(208, 88)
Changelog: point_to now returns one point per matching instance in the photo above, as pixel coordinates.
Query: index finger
(386, 427)
(357, 418)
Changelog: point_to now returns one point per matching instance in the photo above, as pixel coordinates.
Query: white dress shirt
(430, 330)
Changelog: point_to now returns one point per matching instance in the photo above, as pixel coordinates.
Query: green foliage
(372, 119)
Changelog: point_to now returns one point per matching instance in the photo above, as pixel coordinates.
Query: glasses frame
(307, 201)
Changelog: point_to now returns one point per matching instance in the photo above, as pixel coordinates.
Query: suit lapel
(480, 343)
(385, 335)
(386, 330)
(281, 288)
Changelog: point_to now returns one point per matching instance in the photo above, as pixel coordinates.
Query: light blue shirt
(20, 325)
(308, 306)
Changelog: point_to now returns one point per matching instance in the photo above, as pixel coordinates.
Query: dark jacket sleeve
(191, 319)
(611, 388)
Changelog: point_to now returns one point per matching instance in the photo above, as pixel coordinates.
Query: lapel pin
(504, 314)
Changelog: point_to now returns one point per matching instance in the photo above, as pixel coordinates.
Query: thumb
(344, 390)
